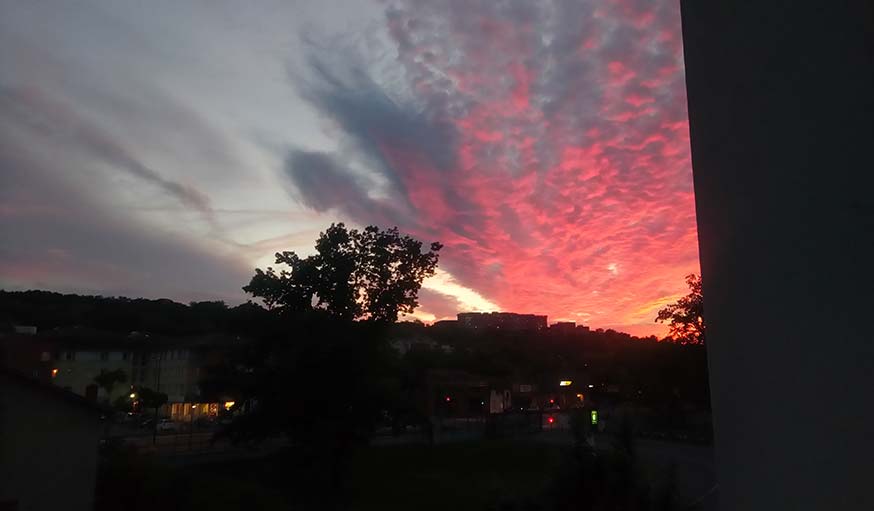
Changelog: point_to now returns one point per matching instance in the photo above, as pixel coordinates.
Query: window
(70, 355)
(125, 355)
(45, 356)
(104, 356)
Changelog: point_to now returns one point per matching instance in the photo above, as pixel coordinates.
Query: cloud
(57, 237)
(545, 144)
(50, 118)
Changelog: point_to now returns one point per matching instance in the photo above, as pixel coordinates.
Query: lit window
(228, 405)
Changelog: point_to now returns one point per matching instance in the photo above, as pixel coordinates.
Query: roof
(51, 391)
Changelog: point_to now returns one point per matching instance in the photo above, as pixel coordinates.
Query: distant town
(73, 357)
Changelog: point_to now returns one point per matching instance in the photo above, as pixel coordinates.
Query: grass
(473, 475)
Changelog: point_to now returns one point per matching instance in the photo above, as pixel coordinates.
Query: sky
(166, 149)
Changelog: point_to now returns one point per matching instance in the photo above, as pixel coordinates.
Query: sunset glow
(545, 144)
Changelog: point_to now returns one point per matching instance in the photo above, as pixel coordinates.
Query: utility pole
(157, 391)
(191, 426)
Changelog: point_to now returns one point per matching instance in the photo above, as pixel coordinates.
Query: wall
(79, 373)
(48, 450)
(781, 109)
(179, 374)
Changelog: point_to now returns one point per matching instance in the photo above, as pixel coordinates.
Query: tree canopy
(108, 379)
(686, 315)
(371, 274)
(151, 398)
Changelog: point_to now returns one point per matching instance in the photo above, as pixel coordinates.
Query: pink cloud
(566, 184)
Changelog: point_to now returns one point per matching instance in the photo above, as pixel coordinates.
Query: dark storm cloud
(55, 236)
(396, 139)
(325, 184)
(53, 119)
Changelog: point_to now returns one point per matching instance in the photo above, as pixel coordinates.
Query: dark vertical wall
(781, 108)
(48, 449)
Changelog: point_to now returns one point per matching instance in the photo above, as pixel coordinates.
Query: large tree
(686, 315)
(370, 274)
(108, 379)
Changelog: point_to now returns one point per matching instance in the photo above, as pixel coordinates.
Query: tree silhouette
(107, 380)
(371, 274)
(150, 398)
(686, 316)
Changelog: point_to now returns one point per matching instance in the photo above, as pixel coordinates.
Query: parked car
(168, 426)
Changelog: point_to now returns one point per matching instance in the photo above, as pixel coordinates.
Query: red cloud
(567, 188)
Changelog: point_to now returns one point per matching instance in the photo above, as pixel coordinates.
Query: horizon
(405, 319)
(168, 152)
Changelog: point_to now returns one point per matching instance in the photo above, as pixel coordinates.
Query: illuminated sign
(565, 383)
(594, 417)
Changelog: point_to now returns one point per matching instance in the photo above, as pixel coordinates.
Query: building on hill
(509, 321)
(563, 327)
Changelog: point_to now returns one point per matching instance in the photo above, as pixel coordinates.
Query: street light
(191, 425)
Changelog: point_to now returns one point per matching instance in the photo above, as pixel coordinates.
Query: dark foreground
(533, 474)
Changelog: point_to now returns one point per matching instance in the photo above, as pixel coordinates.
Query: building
(509, 321)
(563, 327)
(48, 440)
(176, 367)
(70, 358)
(454, 393)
